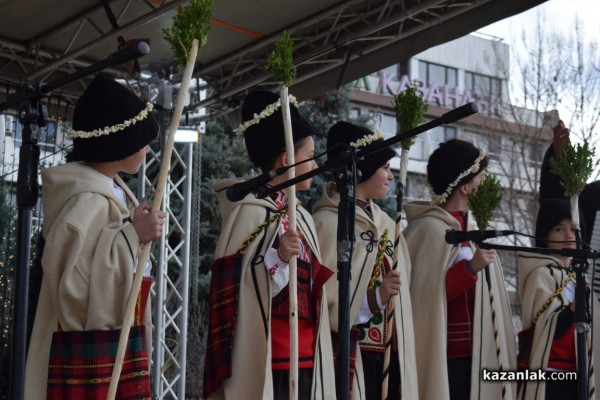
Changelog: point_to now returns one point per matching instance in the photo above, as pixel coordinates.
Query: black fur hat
(265, 139)
(106, 104)
(448, 162)
(343, 132)
(551, 212)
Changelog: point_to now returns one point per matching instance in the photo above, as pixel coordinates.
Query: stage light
(186, 135)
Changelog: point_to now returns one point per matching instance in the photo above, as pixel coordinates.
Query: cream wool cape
(430, 257)
(88, 263)
(325, 215)
(251, 364)
(539, 276)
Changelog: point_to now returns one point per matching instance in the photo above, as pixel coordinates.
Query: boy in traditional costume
(589, 207)
(547, 292)
(248, 349)
(454, 334)
(92, 235)
(372, 281)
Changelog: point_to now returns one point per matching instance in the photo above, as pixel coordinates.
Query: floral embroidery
(269, 110)
(437, 199)
(107, 130)
(369, 237)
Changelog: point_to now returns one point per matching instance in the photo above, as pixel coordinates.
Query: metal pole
(27, 196)
(185, 268)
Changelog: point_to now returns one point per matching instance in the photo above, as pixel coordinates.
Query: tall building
(470, 69)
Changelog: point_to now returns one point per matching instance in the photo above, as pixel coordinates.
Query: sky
(558, 15)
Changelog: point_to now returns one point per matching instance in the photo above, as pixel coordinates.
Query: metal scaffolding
(172, 265)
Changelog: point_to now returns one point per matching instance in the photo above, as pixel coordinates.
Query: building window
(483, 85)
(492, 144)
(417, 150)
(387, 125)
(440, 134)
(440, 75)
(535, 153)
(47, 134)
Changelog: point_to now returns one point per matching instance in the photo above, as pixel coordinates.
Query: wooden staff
(293, 283)
(410, 110)
(158, 196)
(483, 203)
(282, 65)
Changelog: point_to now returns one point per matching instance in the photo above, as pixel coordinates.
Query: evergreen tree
(8, 217)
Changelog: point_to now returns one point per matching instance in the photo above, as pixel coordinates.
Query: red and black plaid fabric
(224, 298)
(142, 300)
(81, 364)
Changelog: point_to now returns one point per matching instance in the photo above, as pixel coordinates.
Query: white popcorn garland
(438, 199)
(367, 139)
(107, 130)
(268, 110)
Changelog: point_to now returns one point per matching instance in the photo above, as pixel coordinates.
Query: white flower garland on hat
(107, 130)
(438, 199)
(367, 139)
(268, 110)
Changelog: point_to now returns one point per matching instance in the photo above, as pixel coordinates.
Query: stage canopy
(335, 41)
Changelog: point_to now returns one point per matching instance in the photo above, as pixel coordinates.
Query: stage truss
(171, 271)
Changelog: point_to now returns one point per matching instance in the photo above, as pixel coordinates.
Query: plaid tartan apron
(224, 290)
(81, 362)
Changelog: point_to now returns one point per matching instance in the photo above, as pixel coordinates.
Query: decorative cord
(553, 296)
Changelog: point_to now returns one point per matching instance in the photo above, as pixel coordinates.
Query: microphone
(460, 113)
(238, 191)
(455, 237)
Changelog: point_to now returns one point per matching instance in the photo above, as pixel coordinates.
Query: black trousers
(373, 372)
(459, 378)
(560, 390)
(281, 384)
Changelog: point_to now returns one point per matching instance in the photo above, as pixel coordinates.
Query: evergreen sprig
(410, 113)
(574, 166)
(484, 200)
(191, 22)
(281, 61)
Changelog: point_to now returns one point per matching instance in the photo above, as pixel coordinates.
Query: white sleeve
(464, 253)
(278, 270)
(364, 313)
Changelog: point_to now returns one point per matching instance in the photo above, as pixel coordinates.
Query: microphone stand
(343, 168)
(582, 308)
(583, 319)
(28, 101)
(345, 179)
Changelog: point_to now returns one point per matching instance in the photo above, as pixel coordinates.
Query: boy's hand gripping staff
(188, 33)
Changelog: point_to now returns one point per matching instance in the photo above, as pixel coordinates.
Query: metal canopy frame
(335, 41)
